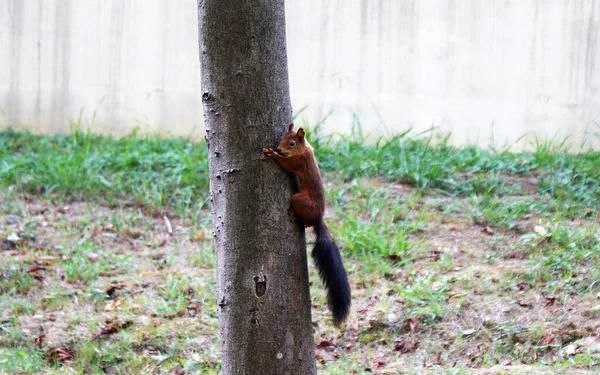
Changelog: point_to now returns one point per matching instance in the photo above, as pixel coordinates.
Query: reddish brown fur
(295, 154)
(308, 206)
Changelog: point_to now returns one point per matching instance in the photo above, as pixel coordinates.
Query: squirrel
(295, 154)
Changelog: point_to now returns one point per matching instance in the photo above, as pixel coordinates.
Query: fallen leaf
(525, 304)
(113, 304)
(35, 268)
(540, 229)
(325, 344)
(394, 258)
(111, 329)
(39, 277)
(413, 325)
(533, 355)
(199, 236)
(112, 289)
(406, 346)
(57, 355)
(133, 234)
(380, 362)
(550, 300)
(13, 238)
(438, 359)
(547, 340)
(40, 340)
(488, 230)
(320, 358)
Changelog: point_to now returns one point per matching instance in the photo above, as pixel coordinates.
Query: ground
(489, 266)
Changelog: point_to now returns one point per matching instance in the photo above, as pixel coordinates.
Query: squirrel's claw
(269, 152)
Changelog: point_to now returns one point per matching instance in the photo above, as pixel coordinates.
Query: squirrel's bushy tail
(328, 261)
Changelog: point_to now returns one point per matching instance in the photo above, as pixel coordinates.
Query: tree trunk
(262, 277)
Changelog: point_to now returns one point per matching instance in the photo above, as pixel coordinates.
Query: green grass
(440, 234)
(570, 181)
(150, 172)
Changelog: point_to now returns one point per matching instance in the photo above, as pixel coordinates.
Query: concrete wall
(480, 69)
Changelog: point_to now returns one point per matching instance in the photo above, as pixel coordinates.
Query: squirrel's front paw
(269, 152)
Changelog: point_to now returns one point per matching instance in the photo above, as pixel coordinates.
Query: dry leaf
(57, 355)
(394, 258)
(547, 340)
(533, 355)
(113, 304)
(40, 340)
(111, 329)
(413, 325)
(488, 230)
(35, 268)
(380, 362)
(199, 236)
(434, 255)
(325, 344)
(540, 230)
(406, 346)
(320, 358)
(525, 304)
(112, 289)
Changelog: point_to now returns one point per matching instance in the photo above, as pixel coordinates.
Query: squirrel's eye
(292, 143)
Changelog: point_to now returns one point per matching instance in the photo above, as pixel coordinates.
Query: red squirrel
(295, 154)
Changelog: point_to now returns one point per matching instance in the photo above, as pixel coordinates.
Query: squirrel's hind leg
(304, 209)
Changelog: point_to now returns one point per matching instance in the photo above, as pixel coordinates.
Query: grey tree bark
(262, 277)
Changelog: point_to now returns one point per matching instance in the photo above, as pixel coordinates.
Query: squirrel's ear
(291, 128)
(300, 134)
